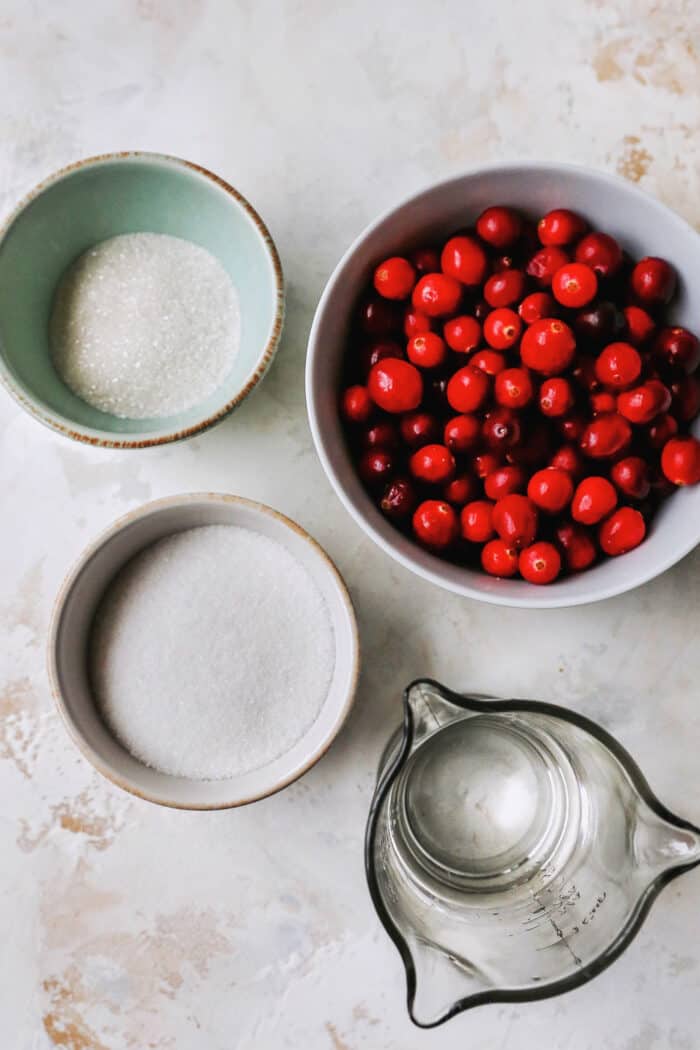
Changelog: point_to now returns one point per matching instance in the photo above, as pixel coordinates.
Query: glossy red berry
(476, 521)
(601, 252)
(622, 531)
(415, 323)
(425, 260)
(485, 463)
(399, 499)
(679, 348)
(462, 433)
(356, 404)
(545, 263)
(382, 435)
(560, 227)
(513, 388)
(653, 281)
(574, 285)
(501, 429)
(680, 460)
(640, 325)
(499, 559)
(578, 547)
(550, 489)
(427, 350)
(489, 361)
(598, 324)
(464, 260)
(394, 385)
(618, 365)
(540, 563)
(379, 351)
(661, 429)
(556, 397)
(435, 524)
(437, 294)
(499, 226)
(468, 389)
(605, 436)
(502, 328)
(568, 458)
(504, 288)
(504, 481)
(686, 398)
(515, 520)
(379, 317)
(631, 476)
(419, 428)
(548, 346)
(461, 490)
(462, 334)
(394, 278)
(594, 498)
(434, 464)
(376, 465)
(603, 401)
(642, 403)
(536, 306)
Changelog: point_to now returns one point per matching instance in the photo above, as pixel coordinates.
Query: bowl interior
(68, 651)
(644, 227)
(100, 199)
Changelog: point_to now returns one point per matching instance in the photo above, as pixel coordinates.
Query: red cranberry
(540, 563)
(376, 465)
(379, 317)
(680, 460)
(467, 389)
(432, 463)
(513, 388)
(593, 500)
(462, 433)
(679, 348)
(502, 328)
(461, 490)
(545, 263)
(356, 405)
(415, 323)
(605, 436)
(548, 346)
(399, 499)
(622, 531)
(515, 520)
(501, 429)
(631, 477)
(489, 361)
(600, 323)
(394, 278)
(653, 281)
(550, 490)
(464, 260)
(578, 547)
(462, 334)
(618, 365)
(486, 463)
(499, 226)
(476, 521)
(419, 428)
(426, 260)
(379, 352)
(504, 288)
(661, 430)
(640, 326)
(601, 252)
(504, 481)
(560, 227)
(435, 524)
(381, 435)
(396, 386)
(536, 306)
(427, 350)
(568, 458)
(499, 559)
(437, 294)
(574, 285)
(643, 403)
(686, 398)
(556, 397)
(603, 401)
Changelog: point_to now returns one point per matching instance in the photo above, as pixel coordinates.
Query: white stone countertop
(124, 926)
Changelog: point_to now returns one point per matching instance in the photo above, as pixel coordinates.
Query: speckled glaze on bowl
(129, 193)
(72, 619)
(642, 224)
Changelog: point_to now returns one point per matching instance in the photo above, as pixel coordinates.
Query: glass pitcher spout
(665, 844)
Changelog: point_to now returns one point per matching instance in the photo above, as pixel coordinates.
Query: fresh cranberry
(643, 403)
(437, 294)
(504, 288)
(499, 226)
(622, 531)
(476, 521)
(603, 401)
(499, 559)
(501, 428)
(504, 481)
(379, 317)
(394, 385)
(427, 350)
(605, 436)
(419, 428)
(640, 325)
(540, 563)
(485, 463)
(679, 348)
(661, 430)
(467, 389)
(464, 260)
(585, 375)
(432, 463)
(556, 397)
(435, 524)
(376, 465)
(513, 388)
(379, 351)
(415, 323)
(461, 490)
(502, 328)
(489, 361)
(548, 346)
(571, 427)
(550, 490)
(356, 404)
(568, 458)
(599, 323)
(574, 285)
(381, 435)
(631, 476)
(545, 263)
(394, 278)
(462, 334)
(578, 547)
(680, 460)
(618, 365)
(594, 499)
(686, 398)
(560, 227)
(462, 433)
(515, 520)
(653, 281)
(536, 306)
(601, 252)
(425, 260)
(399, 499)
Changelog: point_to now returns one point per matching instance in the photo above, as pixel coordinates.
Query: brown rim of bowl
(264, 360)
(89, 552)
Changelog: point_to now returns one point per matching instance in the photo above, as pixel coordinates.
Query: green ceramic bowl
(129, 193)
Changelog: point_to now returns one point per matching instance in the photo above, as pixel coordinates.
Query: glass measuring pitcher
(513, 849)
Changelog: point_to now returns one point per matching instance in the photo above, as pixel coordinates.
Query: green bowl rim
(108, 439)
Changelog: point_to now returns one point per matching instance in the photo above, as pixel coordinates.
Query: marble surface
(126, 927)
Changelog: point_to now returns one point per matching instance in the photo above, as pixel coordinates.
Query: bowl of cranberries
(503, 385)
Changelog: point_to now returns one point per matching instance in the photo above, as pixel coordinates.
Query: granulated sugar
(212, 652)
(144, 325)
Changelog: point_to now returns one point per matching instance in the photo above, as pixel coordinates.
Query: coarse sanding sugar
(212, 652)
(144, 325)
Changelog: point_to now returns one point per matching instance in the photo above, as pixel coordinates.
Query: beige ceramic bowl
(72, 619)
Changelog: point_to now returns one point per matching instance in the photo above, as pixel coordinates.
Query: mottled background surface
(126, 927)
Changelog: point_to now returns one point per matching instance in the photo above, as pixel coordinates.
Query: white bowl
(643, 225)
(72, 619)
